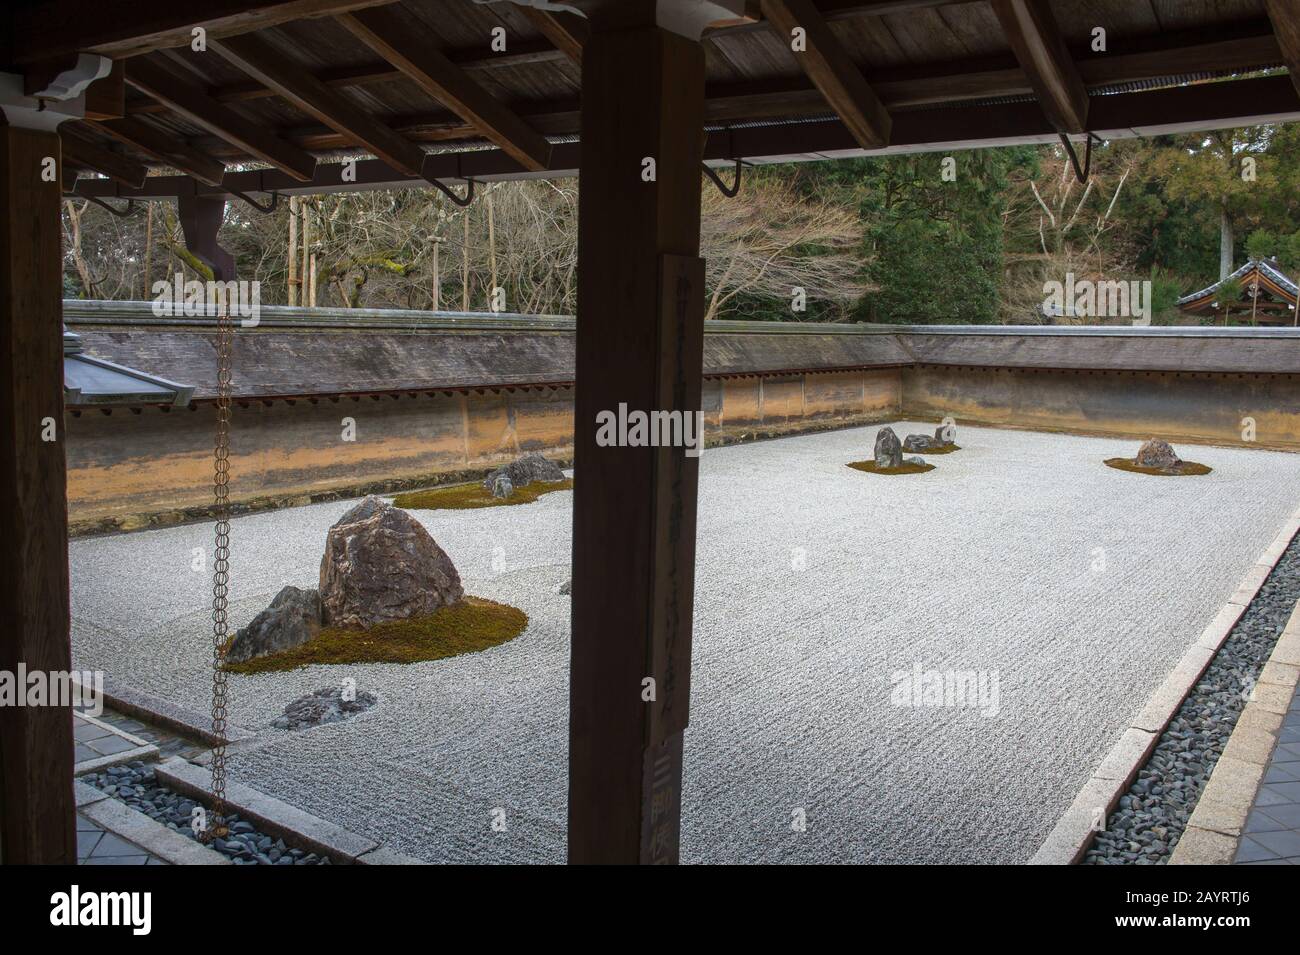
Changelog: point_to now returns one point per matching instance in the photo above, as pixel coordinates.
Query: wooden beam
(121, 168)
(57, 27)
(1036, 40)
(566, 32)
(165, 147)
(414, 51)
(1285, 17)
(192, 102)
(106, 98)
(1176, 110)
(37, 809)
(269, 66)
(640, 344)
(832, 70)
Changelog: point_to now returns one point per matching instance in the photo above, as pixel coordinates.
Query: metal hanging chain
(221, 572)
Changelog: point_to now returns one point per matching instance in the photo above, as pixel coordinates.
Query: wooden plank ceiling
(289, 86)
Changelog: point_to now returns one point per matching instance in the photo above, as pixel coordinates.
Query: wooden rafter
(260, 60)
(1036, 40)
(567, 32)
(58, 27)
(832, 70)
(121, 168)
(165, 147)
(192, 102)
(414, 51)
(1285, 17)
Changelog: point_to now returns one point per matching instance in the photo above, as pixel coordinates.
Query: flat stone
(1250, 744)
(1076, 828)
(1250, 585)
(1204, 847)
(1226, 818)
(1218, 629)
(1127, 756)
(1233, 782)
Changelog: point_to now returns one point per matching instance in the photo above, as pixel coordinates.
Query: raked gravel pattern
(1151, 817)
(1077, 586)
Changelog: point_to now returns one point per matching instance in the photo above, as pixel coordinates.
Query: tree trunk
(1225, 244)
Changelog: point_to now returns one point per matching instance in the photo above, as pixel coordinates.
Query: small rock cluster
(1151, 817)
(520, 473)
(889, 450)
(380, 564)
(326, 705)
(920, 443)
(136, 785)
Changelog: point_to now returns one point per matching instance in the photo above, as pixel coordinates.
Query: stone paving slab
(98, 744)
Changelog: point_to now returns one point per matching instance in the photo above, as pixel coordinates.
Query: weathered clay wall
(1176, 406)
(129, 469)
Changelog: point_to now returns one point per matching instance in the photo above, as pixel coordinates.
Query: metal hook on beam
(120, 213)
(264, 209)
(1080, 174)
(732, 191)
(469, 192)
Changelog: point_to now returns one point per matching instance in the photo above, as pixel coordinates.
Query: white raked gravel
(988, 563)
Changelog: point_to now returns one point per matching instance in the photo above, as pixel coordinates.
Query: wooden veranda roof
(449, 89)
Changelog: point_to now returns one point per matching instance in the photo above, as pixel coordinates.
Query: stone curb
(1074, 831)
(149, 834)
(1215, 827)
(281, 819)
(172, 716)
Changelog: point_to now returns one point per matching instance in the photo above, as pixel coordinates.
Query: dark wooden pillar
(639, 344)
(37, 811)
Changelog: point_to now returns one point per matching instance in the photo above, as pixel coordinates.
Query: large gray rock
(293, 618)
(945, 434)
(522, 472)
(889, 452)
(381, 564)
(1157, 454)
(920, 442)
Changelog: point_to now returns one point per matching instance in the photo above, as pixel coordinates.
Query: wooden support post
(37, 810)
(639, 347)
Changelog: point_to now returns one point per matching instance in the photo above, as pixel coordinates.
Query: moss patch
(905, 468)
(1186, 469)
(468, 496)
(472, 625)
(941, 449)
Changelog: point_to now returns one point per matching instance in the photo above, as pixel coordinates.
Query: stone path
(1272, 832)
(96, 846)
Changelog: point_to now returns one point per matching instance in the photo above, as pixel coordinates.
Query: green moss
(941, 449)
(472, 625)
(467, 496)
(1186, 469)
(905, 468)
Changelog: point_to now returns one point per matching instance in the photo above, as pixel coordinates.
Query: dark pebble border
(136, 785)
(1151, 816)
